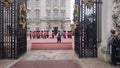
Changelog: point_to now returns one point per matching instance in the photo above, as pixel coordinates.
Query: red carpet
(51, 46)
(47, 64)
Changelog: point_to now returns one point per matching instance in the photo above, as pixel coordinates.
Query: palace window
(48, 14)
(55, 14)
(56, 2)
(62, 2)
(37, 3)
(37, 14)
(62, 14)
(48, 2)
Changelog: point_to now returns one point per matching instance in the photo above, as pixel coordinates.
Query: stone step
(51, 46)
(51, 43)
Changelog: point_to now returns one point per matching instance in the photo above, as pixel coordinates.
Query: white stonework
(46, 18)
(116, 14)
(109, 10)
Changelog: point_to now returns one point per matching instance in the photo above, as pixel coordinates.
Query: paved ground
(47, 64)
(56, 55)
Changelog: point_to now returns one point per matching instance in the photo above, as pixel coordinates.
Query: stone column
(106, 25)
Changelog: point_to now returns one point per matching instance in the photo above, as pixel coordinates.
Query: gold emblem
(22, 15)
(7, 2)
(75, 26)
(76, 14)
(89, 3)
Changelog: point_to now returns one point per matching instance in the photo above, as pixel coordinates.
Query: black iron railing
(86, 36)
(12, 36)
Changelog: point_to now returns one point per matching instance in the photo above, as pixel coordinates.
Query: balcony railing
(48, 18)
(55, 18)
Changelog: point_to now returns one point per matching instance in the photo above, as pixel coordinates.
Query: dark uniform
(58, 38)
(112, 43)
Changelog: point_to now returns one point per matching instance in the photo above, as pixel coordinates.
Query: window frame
(37, 14)
(62, 2)
(48, 15)
(37, 2)
(48, 2)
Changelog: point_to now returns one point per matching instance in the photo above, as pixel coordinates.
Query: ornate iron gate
(12, 31)
(86, 28)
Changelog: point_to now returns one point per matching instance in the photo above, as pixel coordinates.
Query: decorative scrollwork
(89, 3)
(76, 14)
(116, 1)
(116, 15)
(22, 15)
(7, 2)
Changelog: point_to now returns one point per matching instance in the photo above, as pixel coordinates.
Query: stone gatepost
(106, 26)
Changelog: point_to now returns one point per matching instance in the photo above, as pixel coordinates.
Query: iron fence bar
(12, 45)
(1, 40)
(15, 21)
(9, 47)
(79, 26)
(2, 31)
(10, 31)
(87, 37)
(80, 30)
(83, 35)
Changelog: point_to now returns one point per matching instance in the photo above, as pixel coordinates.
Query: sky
(72, 4)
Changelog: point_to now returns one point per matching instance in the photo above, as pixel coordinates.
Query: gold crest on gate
(89, 3)
(7, 2)
(22, 15)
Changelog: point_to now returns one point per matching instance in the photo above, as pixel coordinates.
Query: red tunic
(31, 34)
(38, 33)
(53, 34)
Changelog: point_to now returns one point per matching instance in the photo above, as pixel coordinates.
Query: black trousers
(113, 55)
(58, 40)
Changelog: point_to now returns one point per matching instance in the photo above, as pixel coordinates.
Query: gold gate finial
(22, 15)
(89, 3)
(7, 3)
(76, 15)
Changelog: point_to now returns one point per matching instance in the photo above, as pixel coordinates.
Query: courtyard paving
(38, 55)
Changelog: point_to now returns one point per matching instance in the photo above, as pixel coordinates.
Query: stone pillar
(106, 25)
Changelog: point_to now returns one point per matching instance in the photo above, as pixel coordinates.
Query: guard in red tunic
(38, 34)
(44, 34)
(65, 34)
(41, 34)
(53, 34)
(33, 34)
(47, 33)
(70, 34)
(30, 34)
